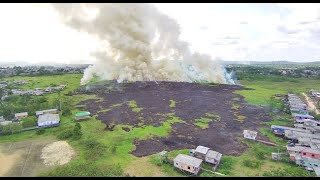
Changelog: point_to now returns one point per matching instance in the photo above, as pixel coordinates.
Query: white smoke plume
(138, 43)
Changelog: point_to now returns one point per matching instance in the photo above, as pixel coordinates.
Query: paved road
(311, 104)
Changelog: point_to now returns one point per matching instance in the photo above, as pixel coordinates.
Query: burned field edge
(213, 116)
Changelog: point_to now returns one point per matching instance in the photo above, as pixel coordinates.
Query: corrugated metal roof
(48, 117)
(202, 149)
(317, 171)
(195, 162)
(252, 133)
(214, 154)
(302, 115)
(44, 111)
(21, 114)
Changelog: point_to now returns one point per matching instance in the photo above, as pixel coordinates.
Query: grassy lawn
(264, 89)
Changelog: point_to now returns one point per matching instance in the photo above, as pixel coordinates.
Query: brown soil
(193, 101)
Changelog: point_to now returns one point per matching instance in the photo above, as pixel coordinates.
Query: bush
(226, 164)
(251, 163)
(65, 134)
(77, 131)
(40, 131)
(29, 122)
(94, 149)
(12, 128)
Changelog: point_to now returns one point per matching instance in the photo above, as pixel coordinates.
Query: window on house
(312, 155)
(188, 167)
(304, 153)
(316, 165)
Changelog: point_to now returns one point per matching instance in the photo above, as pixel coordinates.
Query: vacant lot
(22, 158)
(142, 104)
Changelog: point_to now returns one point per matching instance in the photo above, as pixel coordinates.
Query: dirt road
(311, 105)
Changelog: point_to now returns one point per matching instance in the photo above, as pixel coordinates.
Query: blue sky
(243, 32)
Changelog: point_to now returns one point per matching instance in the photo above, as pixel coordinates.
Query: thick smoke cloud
(138, 43)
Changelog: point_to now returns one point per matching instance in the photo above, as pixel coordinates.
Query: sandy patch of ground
(7, 161)
(142, 167)
(311, 104)
(57, 153)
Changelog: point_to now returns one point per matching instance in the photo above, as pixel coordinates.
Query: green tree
(29, 122)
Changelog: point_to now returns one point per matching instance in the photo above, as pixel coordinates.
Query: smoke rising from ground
(138, 43)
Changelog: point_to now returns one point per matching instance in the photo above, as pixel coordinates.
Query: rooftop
(202, 149)
(195, 162)
(82, 114)
(48, 117)
(214, 154)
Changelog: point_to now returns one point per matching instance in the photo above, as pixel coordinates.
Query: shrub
(29, 122)
(12, 128)
(251, 163)
(77, 131)
(40, 131)
(94, 149)
(65, 134)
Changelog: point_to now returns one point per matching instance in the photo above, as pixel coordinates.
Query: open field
(22, 158)
(193, 102)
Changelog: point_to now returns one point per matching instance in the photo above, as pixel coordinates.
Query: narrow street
(310, 104)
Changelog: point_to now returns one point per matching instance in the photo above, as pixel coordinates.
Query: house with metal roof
(201, 152)
(48, 120)
(302, 116)
(214, 158)
(250, 134)
(19, 116)
(48, 111)
(188, 163)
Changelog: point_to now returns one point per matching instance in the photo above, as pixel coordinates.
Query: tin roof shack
(82, 116)
(214, 158)
(302, 116)
(48, 111)
(187, 163)
(250, 134)
(19, 116)
(281, 130)
(201, 152)
(48, 120)
(4, 123)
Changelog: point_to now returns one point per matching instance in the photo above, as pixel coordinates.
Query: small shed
(250, 134)
(4, 123)
(48, 111)
(82, 116)
(19, 116)
(47, 120)
(213, 157)
(187, 163)
(276, 156)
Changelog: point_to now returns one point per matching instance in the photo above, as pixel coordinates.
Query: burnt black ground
(193, 100)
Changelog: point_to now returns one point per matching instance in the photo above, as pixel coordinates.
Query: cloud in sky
(260, 32)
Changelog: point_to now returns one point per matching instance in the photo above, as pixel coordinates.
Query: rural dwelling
(19, 116)
(201, 152)
(48, 111)
(302, 116)
(47, 120)
(82, 116)
(250, 134)
(213, 157)
(187, 163)
(4, 123)
(311, 153)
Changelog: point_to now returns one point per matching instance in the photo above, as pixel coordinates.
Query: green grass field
(107, 153)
